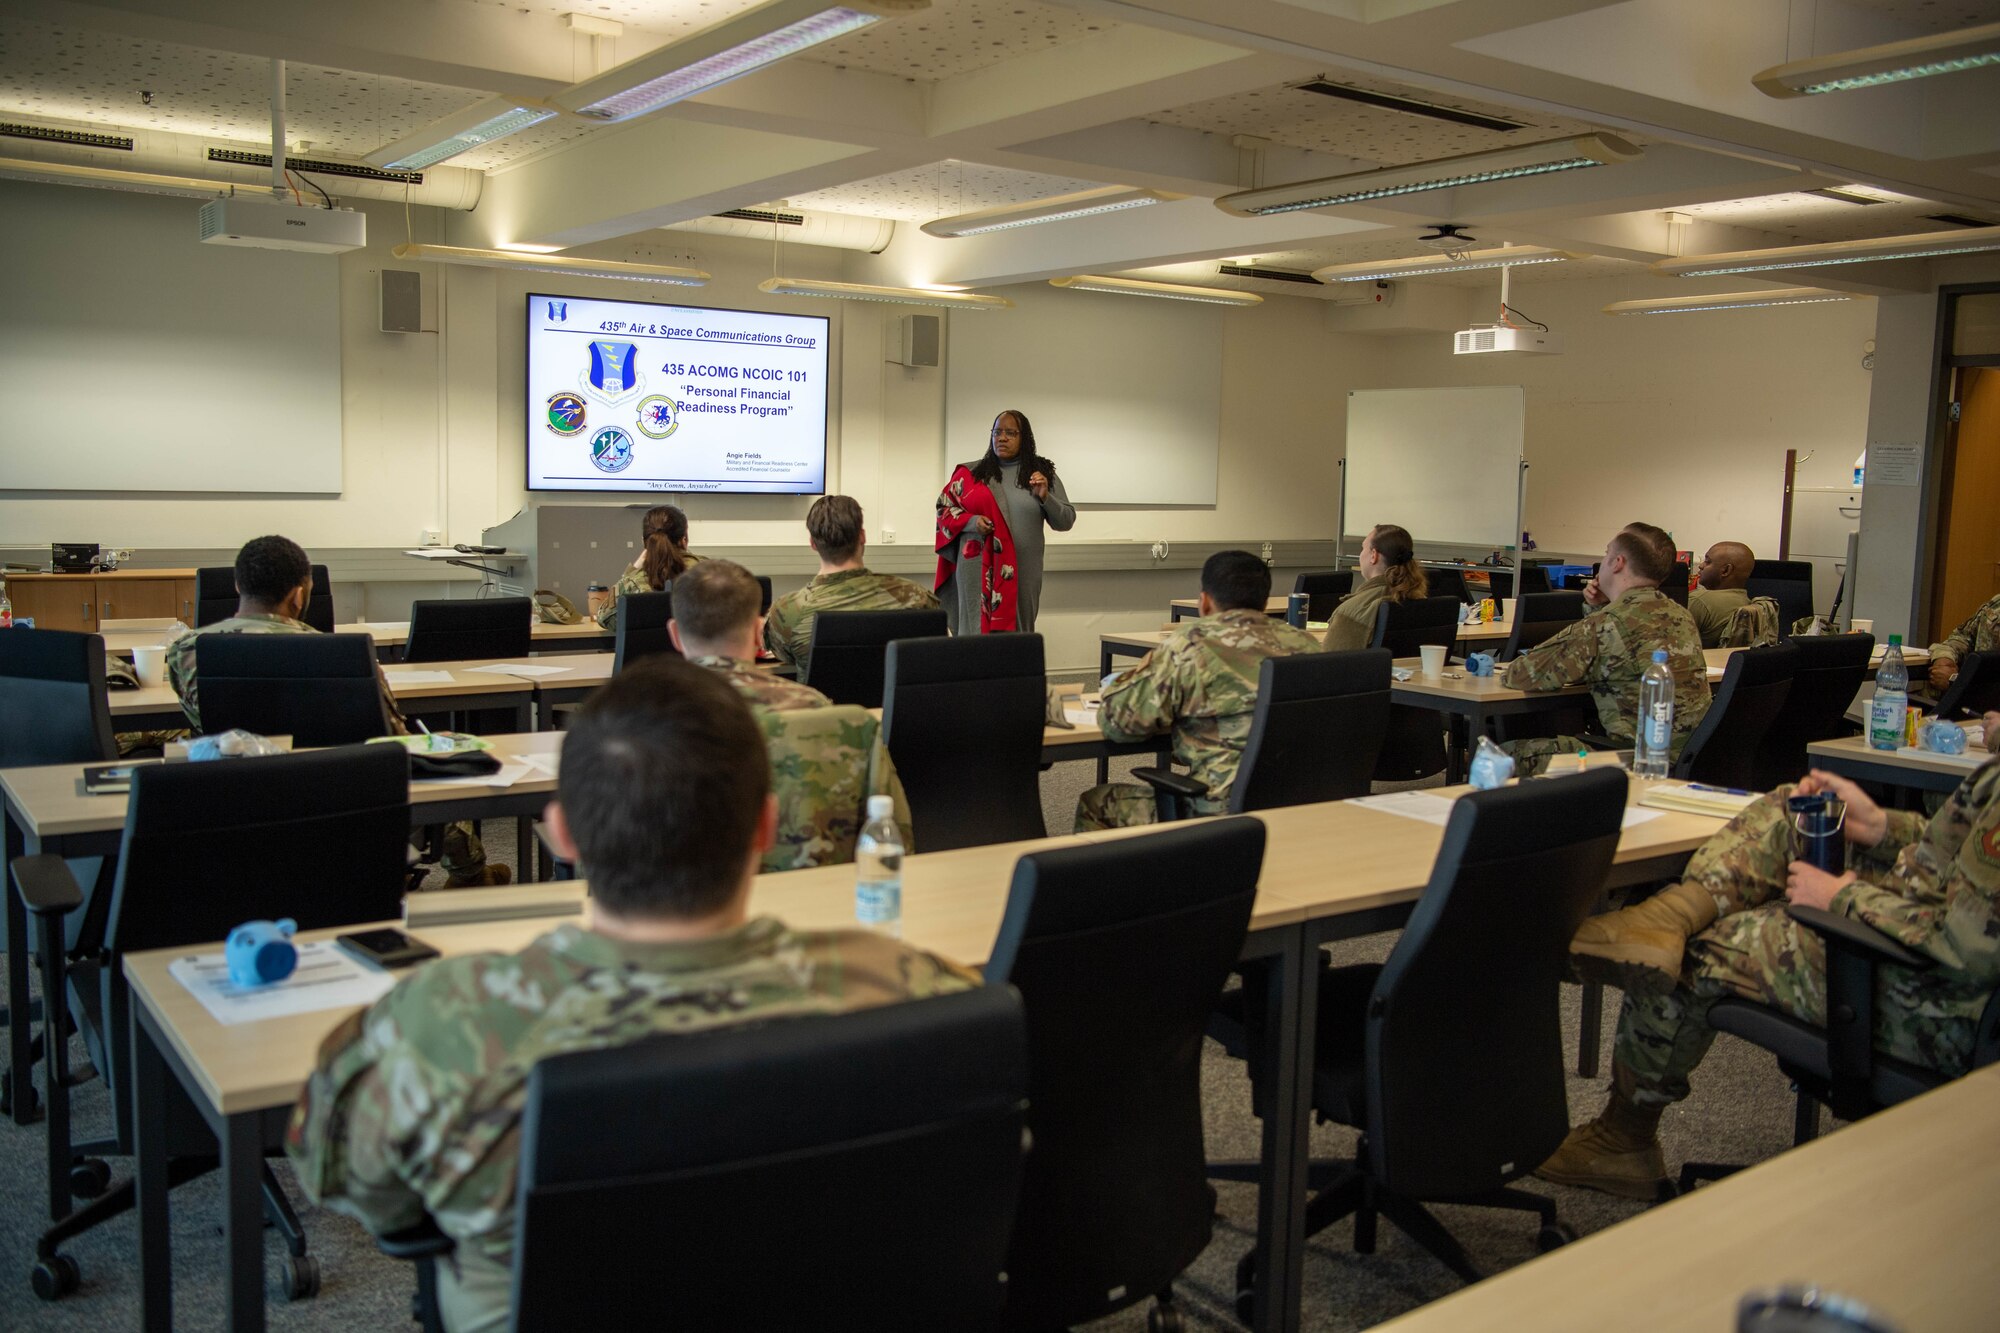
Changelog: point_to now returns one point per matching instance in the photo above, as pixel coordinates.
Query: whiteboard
(1444, 463)
(1125, 394)
(137, 358)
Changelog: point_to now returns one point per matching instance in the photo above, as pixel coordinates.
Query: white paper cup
(1862, 626)
(1433, 659)
(151, 664)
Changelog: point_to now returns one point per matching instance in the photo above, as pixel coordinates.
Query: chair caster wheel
(298, 1277)
(1246, 1290)
(1554, 1236)
(1164, 1319)
(56, 1277)
(89, 1178)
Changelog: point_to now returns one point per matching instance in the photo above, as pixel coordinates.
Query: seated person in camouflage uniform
(716, 625)
(1932, 885)
(273, 585)
(1200, 684)
(663, 532)
(843, 583)
(1611, 647)
(1722, 581)
(1979, 634)
(664, 796)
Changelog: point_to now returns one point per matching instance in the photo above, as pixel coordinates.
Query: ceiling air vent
(1409, 105)
(1956, 220)
(318, 166)
(764, 215)
(1268, 274)
(81, 138)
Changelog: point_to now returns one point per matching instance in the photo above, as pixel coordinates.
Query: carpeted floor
(1740, 1111)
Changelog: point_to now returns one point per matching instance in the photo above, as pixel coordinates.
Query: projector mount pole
(278, 187)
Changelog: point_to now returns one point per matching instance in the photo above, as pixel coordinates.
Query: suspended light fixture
(1688, 305)
(1084, 203)
(1386, 270)
(1168, 291)
(1924, 245)
(1892, 62)
(108, 178)
(863, 291)
(1586, 150)
(494, 118)
(534, 263)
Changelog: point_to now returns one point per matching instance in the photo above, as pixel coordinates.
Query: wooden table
(953, 903)
(1185, 608)
(1897, 1211)
(157, 707)
(1920, 770)
(391, 635)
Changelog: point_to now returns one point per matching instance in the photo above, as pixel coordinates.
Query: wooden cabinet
(129, 599)
(85, 601)
(184, 601)
(68, 602)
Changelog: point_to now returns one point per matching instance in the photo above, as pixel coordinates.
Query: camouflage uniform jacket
(632, 580)
(788, 628)
(1609, 650)
(1753, 625)
(1712, 608)
(180, 662)
(415, 1106)
(1201, 684)
(1979, 634)
(825, 764)
(761, 687)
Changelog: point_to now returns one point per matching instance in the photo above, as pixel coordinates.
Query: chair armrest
(1849, 935)
(1178, 784)
(422, 1241)
(46, 886)
(564, 867)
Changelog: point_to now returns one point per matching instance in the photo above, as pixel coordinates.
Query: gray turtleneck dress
(1025, 517)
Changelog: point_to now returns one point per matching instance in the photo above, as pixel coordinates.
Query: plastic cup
(1433, 659)
(151, 664)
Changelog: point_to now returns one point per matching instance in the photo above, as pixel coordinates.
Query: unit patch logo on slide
(658, 416)
(613, 374)
(611, 450)
(566, 413)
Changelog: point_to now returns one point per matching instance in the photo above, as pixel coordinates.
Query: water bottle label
(1886, 720)
(878, 903)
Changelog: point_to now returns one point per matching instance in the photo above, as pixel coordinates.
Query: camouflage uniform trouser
(1532, 754)
(1115, 805)
(1758, 953)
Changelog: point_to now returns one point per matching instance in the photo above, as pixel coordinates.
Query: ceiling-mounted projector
(1503, 338)
(268, 225)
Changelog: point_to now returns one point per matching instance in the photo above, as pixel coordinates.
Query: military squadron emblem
(611, 450)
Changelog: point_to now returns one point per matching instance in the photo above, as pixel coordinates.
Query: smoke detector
(1448, 238)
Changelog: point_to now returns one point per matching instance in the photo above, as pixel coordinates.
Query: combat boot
(1617, 1153)
(1639, 948)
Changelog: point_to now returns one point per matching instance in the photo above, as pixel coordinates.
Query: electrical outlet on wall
(888, 536)
(433, 537)
(1266, 553)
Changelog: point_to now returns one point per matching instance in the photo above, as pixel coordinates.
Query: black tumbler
(1816, 828)
(1295, 609)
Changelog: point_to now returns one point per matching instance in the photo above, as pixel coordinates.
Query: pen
(1726, 791)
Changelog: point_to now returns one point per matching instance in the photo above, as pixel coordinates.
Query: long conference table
(952, 904)
(391, 635)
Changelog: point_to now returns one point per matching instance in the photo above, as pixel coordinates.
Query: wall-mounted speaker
(402, 301)
(916, 339)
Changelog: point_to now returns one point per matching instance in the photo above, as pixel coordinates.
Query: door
(56, 603)
(1968, 559)
(132, 599)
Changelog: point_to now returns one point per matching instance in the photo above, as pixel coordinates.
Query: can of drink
(1486, 610)
(1295, 609)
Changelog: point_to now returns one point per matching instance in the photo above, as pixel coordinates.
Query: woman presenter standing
(990, 540)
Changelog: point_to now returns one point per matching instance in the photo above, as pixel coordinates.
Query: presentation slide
(633, 396)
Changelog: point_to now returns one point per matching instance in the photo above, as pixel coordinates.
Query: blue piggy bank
(261, 952)
(1479, 664)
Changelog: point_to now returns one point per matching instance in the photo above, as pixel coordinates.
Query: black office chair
(1837, 1066)
(764, 593)
(1727, 743)
(342, 818)
(1447, 583)
(215, 597)
(642, 628)
(840, 1171)
(1414, 747)
(319, 689)
(1323, 589)
(1827, 673)
(1976, 688)
(1539, 617)
(1316, 735)
(1448, 1057)
(1534, 579)
(846, 657)
(1787, 582)
(945, 699)
(1119, 950)
(459, 631)
(1675, 586)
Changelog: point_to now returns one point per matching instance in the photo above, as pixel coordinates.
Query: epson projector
(1503, 338)
(269, 225)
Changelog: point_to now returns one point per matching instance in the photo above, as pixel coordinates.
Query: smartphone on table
(385, 947)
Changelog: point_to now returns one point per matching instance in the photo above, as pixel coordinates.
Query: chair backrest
(825, 764)
(1975, 690)
(1675, 585)
(764, 593)
(215, 597)
(1404, 627)
(1539, 617)
(319, 689)
(1317, 732)
(945, 699)
(1827, 672)
(1751, 625)
(846, 657)
(52, 683)
(456, 631)
(1728, 742)
(1789, 583)
(642, 628)
(319, 609)
(1323, 589)
(1465, 1080)
(1119, 950)
(1447, 583)
(707, 1163)
(1534, 579)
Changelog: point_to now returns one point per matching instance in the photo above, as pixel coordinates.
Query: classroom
(452, 296)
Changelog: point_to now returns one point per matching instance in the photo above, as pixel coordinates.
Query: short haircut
(270, 569)
(834, 525)
(1647, 549)
(664, 778)
(1236, 580)
(714, 599)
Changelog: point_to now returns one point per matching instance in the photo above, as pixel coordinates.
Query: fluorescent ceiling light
(862, 291)
(1970, 240)
(143, 182)
(1687, 305)
(1383, 270)
(580, 268)
(721, 52)
(1084, 203)
(1535, 159)
(1170, 291)
(482, 123)
(1893, 62)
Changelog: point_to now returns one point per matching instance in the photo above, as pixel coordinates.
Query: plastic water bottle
(1654, 743)
(1892, 699)
(6, 608)
(878, 865)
